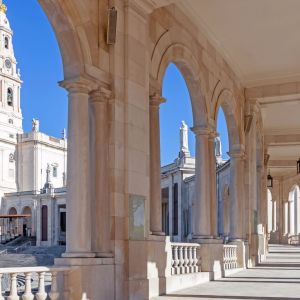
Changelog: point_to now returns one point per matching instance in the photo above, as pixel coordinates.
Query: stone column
(213, 185)
(155, 186)
(101, 242)
(78, 181)
(273, 215)
(201, 210)
(170, 187)
(291, 218)
(236, 195)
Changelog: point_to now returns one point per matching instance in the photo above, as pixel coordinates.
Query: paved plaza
(277, 278)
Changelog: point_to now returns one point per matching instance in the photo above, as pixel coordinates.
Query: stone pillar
(170, 187)
(236, 195)
(291, 218)
(213, 185)
(78, 181)
(273, 215)
(101, 242)
(155, 186)
(201, 210)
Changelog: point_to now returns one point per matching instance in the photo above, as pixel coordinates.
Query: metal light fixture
(298, 166)
(269, 180)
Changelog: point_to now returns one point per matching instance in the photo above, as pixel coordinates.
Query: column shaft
(236, 196)
(202, 205)
(101, 242)
(78, 180)
(213, 192)
(155, 185)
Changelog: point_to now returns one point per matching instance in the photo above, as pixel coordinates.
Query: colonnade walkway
(276, 278)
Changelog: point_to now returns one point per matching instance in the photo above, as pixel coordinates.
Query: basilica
(33, 165)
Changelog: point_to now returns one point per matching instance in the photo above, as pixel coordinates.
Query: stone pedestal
(90, 278)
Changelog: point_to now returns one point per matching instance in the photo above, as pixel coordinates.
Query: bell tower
(10, 110)
(10, 81)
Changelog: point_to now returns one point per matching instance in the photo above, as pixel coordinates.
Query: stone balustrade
(229, 257)
(28, 283)
(185, 258)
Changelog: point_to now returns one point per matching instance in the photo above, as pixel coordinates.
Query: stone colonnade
(113, 141)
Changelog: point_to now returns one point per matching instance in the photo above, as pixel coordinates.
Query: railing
(230, 257)
(293, 240)
(20, 248)
(185, 258)
(38, 283)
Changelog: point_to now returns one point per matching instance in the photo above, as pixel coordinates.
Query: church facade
(32, 165)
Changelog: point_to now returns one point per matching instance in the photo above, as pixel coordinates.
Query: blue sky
(39, 59)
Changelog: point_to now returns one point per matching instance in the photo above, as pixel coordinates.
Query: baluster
(186, 260)
(176, 259)
(195, 259)
(41, 294)
(1, 297)
(27, 294)
(13, 287)
(54, 293)
(173, 260)
(191, 259)
(181, 260)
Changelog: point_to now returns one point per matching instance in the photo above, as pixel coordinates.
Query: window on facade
(54, 171)
(44, 217)
(10, 97)
(10, 121)
(6, 42)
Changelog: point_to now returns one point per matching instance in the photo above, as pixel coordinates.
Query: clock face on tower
(8, 63)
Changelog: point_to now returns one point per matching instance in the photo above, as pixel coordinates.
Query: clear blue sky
(39, 59)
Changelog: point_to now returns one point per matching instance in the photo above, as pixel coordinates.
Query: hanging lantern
(298, 166)
(269, 180)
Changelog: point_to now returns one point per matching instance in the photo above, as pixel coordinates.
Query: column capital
(156, 99)
(101, 95)
(200, 130)
(78, 85)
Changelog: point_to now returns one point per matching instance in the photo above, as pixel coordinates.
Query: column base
(206, 239)
(159, 233)
(78, 254)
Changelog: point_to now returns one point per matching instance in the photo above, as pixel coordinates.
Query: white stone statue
(184, 144)
(35, 125)
(218, 150)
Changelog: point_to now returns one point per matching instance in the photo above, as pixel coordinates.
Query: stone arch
(12, 211)
(167, 52)
(223, 97)
(71, 38)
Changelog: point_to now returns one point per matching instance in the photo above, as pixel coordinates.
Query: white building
(32, 165)
(178, 193)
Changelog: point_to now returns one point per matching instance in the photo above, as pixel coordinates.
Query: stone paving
(277, 278)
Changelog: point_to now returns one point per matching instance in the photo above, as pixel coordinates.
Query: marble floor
(277, 278)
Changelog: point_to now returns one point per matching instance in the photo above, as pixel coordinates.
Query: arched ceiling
(259, 38)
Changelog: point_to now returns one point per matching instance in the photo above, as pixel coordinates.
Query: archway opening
(222, 173)
(27, 221)
(177, 153)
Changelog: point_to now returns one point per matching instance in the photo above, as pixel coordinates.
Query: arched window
(10, 97)
(6, 42)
